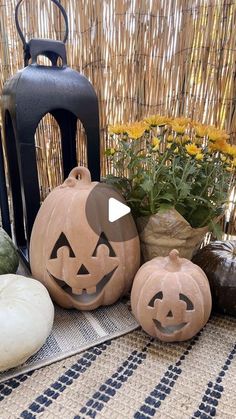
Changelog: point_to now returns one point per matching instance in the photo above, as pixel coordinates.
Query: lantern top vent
(49, 48)
(46, 47)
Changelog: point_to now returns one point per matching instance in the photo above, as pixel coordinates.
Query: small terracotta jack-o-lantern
(84, 260)
(171, 298)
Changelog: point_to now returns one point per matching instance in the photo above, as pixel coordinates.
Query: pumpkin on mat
(26, 319)
(84, 260)
(9, 258)
(218, 261)
(171, 298)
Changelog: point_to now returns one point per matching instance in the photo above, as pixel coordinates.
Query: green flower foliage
(172, 166)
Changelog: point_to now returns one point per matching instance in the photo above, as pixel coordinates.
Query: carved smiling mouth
(168, 330)
(85, 295)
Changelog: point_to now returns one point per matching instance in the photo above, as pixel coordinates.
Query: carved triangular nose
(82, 270)
(170, 314)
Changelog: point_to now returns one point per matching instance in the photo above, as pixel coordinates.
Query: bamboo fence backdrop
(174, 57)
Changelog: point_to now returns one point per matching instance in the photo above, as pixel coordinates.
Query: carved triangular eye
(158, 296)
(104, 240)
(61, 241)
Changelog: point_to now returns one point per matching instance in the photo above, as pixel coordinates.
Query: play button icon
(107, 213)
(116, 210)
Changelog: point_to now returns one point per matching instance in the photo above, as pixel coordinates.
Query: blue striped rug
(134, 376)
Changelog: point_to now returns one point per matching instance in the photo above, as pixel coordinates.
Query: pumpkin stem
(83, 172)
(173, 263)
(174, 255)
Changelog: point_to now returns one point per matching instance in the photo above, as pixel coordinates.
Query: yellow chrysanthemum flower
(117, 129)
(157, 120)
(234, 162)
(185, 138)
(199, 156)
(201, 130)
(168, 146)
(176, 150)
(170, 138)
(231, 150)
(229, 169)
(136, 130)
(180, 129)
(110, 151)
(182, 121)
(219, 145)
(223, 158)
(215, 134)
(192, 149)
(155, 141)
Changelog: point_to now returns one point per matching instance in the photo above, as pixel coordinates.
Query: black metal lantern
(27, 97)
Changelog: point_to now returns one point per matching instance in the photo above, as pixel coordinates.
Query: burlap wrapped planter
(162, 232)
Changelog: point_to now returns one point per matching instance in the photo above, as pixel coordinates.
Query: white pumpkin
(26, 319)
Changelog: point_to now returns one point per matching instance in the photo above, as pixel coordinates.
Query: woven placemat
(74, 331)
(134, 376)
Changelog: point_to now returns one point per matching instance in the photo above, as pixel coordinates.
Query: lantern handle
(56, 2)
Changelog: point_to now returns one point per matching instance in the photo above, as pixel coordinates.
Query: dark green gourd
(9, 258)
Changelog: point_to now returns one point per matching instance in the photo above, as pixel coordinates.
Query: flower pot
(162, 232)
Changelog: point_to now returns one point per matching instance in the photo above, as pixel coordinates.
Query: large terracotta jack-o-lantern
(84, 260)
(171, 298)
